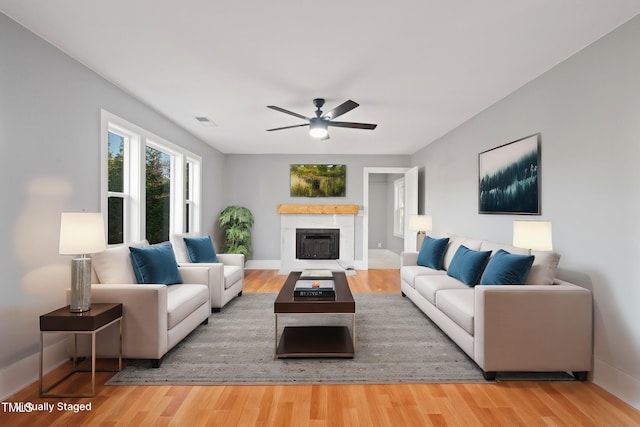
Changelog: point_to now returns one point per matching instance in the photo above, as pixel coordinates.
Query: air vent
(206, 121)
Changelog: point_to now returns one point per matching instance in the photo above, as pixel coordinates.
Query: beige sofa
(155, 317)
(544, 325)
(226, 277)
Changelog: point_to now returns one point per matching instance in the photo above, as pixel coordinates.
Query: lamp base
(80, 285)
(419, 239)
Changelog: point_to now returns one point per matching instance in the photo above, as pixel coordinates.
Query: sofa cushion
(409, 273)
(467, 265)
(432, 252)
(182, 300)
(506, 269)
(155, 264)
(113, 266)
(454, 244)
(200, 249)
(430, 286)
(232, 273)
(543, 270)
(494, 247)
(457, 304)
(179, 248)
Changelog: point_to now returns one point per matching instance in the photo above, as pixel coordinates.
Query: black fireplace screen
(317, 243)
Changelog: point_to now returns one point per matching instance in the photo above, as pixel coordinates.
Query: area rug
(396, 343)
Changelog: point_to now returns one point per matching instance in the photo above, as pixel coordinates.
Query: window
(398, 207)
(151, 187)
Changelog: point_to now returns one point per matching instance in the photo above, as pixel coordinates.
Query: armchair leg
(216, 310)
(155, 363)
(489, 376)
(240, 293)
(580, 375)
(205, 322)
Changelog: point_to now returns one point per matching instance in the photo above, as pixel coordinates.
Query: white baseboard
(262, 264)
(17, 376)
(616, 382)
(274, 264)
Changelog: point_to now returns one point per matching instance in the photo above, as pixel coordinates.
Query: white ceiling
(418, 68)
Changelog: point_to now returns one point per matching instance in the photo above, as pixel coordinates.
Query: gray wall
(50, 139)
(588, 111)
(261, 183)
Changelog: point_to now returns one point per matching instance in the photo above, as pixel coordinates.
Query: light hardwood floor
(516, 403)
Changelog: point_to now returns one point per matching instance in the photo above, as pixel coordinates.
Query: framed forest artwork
(509, 178)
(318, 180)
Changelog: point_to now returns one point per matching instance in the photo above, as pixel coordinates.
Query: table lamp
(534, 235)
(81, 233)
(421, 224)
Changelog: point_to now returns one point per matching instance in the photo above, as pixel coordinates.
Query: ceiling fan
(318, 125)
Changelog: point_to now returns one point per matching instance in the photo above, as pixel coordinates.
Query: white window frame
(399, 197)
(137, 139)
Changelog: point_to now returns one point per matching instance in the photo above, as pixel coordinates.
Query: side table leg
(120, 354)
(93, 363)
(40, 367)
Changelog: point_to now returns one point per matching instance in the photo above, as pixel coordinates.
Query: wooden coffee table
(316, 341)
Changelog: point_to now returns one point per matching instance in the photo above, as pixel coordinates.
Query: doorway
(390, 196)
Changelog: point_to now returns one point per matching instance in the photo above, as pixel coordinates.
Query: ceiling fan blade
(345, 107)
(282, 110)
(368, 126)
(288, 127)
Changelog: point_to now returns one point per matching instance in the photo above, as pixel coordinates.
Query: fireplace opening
(317, 243)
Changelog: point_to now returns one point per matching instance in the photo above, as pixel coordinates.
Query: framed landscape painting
(509, 178)
(318, 180)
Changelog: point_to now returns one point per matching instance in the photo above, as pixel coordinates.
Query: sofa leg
(489, 375)
(403, 294)
(205, 322)
(580, 375)
(240, 293)
(155, 363)
(216, 310)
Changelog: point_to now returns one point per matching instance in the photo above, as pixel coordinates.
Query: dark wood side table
(63, 321)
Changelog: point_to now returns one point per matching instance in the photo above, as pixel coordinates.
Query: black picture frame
(509, 178)
(322, 180)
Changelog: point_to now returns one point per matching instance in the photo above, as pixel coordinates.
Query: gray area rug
(396, 343)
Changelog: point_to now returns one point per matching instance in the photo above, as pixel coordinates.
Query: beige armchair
(226, 277)
(155, 317)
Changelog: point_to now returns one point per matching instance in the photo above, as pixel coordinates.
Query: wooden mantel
(318, 209)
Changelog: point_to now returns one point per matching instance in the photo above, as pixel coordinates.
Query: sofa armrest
(533, 328)
(231, 259)
(408, 258)
(144, 317)
(197, 274)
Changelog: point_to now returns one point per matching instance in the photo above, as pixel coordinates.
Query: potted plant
(236, 222)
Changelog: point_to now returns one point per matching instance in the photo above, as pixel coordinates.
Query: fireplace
(317, 243)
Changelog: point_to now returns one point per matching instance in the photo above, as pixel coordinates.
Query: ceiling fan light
(318, 128)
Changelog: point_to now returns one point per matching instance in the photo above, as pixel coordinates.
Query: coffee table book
(316, 274)
(320, 290)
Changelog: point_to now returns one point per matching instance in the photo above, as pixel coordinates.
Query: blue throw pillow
(432, 252)
(467, 265)
(507, 269)
(155, 264)
(200, 249)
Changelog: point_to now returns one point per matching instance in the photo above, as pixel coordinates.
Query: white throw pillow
(113, 266)
(543, 270)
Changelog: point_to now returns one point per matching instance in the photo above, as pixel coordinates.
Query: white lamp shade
(420, 223)
(81, 233)
(533, 235)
